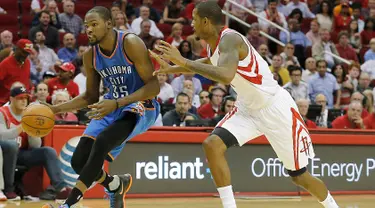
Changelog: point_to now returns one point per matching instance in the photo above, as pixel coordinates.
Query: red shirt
(207, 112)
(342, 23)
(55, 84)
(189, 11)
(310, 124)
(347, 53)
(343, 122)
(12, 122)
(363, 115)
(11, 71)
(369, 121)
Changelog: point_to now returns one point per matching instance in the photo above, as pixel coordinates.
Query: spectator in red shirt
(352, 119)
(359, 97)
(344, 48)
(176, 36)
(189, 10)
(212, 109)
(342, 21)
(303, 108)
(64, 80)
(15, 68)
(59, 97)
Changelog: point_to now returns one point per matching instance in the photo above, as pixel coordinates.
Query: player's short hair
(103, 12)
(211, 10)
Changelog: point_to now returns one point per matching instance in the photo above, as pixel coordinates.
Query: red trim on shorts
(228, 116)
(296, 116)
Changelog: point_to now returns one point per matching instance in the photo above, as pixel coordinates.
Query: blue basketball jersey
(118, 72)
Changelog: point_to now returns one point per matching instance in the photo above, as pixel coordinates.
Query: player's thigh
(237, 128)
(286, 131)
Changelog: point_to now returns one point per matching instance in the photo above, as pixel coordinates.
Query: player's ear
(109, 24)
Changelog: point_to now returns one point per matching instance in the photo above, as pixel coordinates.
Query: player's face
(96, 28)
(198, 24)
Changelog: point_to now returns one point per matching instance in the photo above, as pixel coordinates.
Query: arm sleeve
(6, 133)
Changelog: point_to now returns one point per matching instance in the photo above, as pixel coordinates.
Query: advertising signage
(182, 168)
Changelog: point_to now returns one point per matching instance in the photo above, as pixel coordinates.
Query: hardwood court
(365, 201)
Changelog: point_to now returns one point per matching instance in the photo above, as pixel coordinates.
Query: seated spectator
(325, 15)
(364, 82)
(193, 101)
(198, 46)
(145, 15)
(50, 32)
(354, 71)
(178, 116)
(186, 51)
(145, 35)
(41, 93)
(297, 37)
(47, 56)
(345, 85)
(126, 7)
(80, 79)
(153, 13)
(326, 84)
(26, 150)
(303, 108)
(273, 15)
(279, 69)
(69, 52)
(356, 16)
(178, 83)
(172, 13)
(121, 22)
(59, 97)
(71, 22)
(322, 120)
(342, 21)
(296, 4)
(166, 94)
(354, 36)
(264, 53)
(176, 36)
(361, 98)
(297, 89)
(239, 13)
(15, 68)
(226, 106)
(64, 80)
(313, 34)
(368, 32)
(318, 50)
(370, 54)
(189, 90)
(204, 97)
(352, 119)
(6, 38)
(51, 7)
(212, 109)
(344, 48)
(310, 69)
(296, 14)
(254, 37)
(38, 5)
(288, 54)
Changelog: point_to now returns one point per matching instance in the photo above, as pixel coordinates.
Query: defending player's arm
(138, 54)
(90, 96)
(226, 69)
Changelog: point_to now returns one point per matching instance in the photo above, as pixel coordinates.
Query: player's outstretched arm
(227, 65)
(138, 54)
(90, 96)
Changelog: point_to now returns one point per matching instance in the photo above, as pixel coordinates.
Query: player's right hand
(163, 64)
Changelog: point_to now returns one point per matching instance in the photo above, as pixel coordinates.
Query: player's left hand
(170, 53)
(101, 109)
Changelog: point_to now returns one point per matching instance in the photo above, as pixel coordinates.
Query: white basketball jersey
(253, 82)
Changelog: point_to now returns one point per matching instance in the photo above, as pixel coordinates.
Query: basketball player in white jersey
(263, 107)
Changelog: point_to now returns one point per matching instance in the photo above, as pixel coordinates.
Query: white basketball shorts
(280, 122)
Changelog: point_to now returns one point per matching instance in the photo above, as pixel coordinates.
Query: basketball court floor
(364, 201)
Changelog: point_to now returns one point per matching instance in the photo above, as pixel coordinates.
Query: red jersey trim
(8, 116)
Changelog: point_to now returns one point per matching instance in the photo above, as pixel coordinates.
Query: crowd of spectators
(327, 62)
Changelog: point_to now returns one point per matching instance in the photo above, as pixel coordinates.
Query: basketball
(38, 120)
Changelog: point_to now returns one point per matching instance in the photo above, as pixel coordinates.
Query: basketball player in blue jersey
(128, 109)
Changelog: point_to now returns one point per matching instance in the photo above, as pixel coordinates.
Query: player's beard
(94, 43)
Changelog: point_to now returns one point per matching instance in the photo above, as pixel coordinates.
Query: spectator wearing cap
(352, 119)
(50, 32)
(15, 68)
(47, 56)
(22, 149)
(59, 97)
(212, 109)
(48, 75)
(344, 48)
(64, 80)
(69, 52)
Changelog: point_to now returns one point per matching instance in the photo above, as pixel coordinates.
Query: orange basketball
(37, 120)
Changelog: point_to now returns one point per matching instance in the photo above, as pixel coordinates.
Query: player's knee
(298, 176)
(213, 144)
(77, 162)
